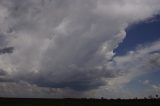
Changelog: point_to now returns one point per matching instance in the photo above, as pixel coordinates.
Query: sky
(79, 48)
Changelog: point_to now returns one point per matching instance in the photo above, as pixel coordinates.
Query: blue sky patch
(141, 33)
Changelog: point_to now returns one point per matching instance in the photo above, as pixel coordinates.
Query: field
(78, 102)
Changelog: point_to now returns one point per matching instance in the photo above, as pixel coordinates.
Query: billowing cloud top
(68, 44)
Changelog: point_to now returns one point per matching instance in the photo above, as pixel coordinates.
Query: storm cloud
(68, 44)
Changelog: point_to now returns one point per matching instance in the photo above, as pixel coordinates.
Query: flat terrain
(77, 102)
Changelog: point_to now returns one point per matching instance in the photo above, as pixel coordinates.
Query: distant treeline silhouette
(150, 101)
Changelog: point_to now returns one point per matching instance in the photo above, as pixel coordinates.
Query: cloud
(6, 50)
(156, 87)
(11, 89)
(135, 63)
(146, 82)
(69, 44)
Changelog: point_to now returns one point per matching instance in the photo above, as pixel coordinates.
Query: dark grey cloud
(3, 42)
(6, 50)
(2, 72)
(79, 85)
(155, 52)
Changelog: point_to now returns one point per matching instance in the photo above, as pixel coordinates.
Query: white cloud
(69, 43)
(141, 61)
(156, 87)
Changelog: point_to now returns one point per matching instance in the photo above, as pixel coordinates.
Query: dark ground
(78, 102)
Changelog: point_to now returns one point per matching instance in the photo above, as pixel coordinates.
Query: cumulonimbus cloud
(67, 43)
